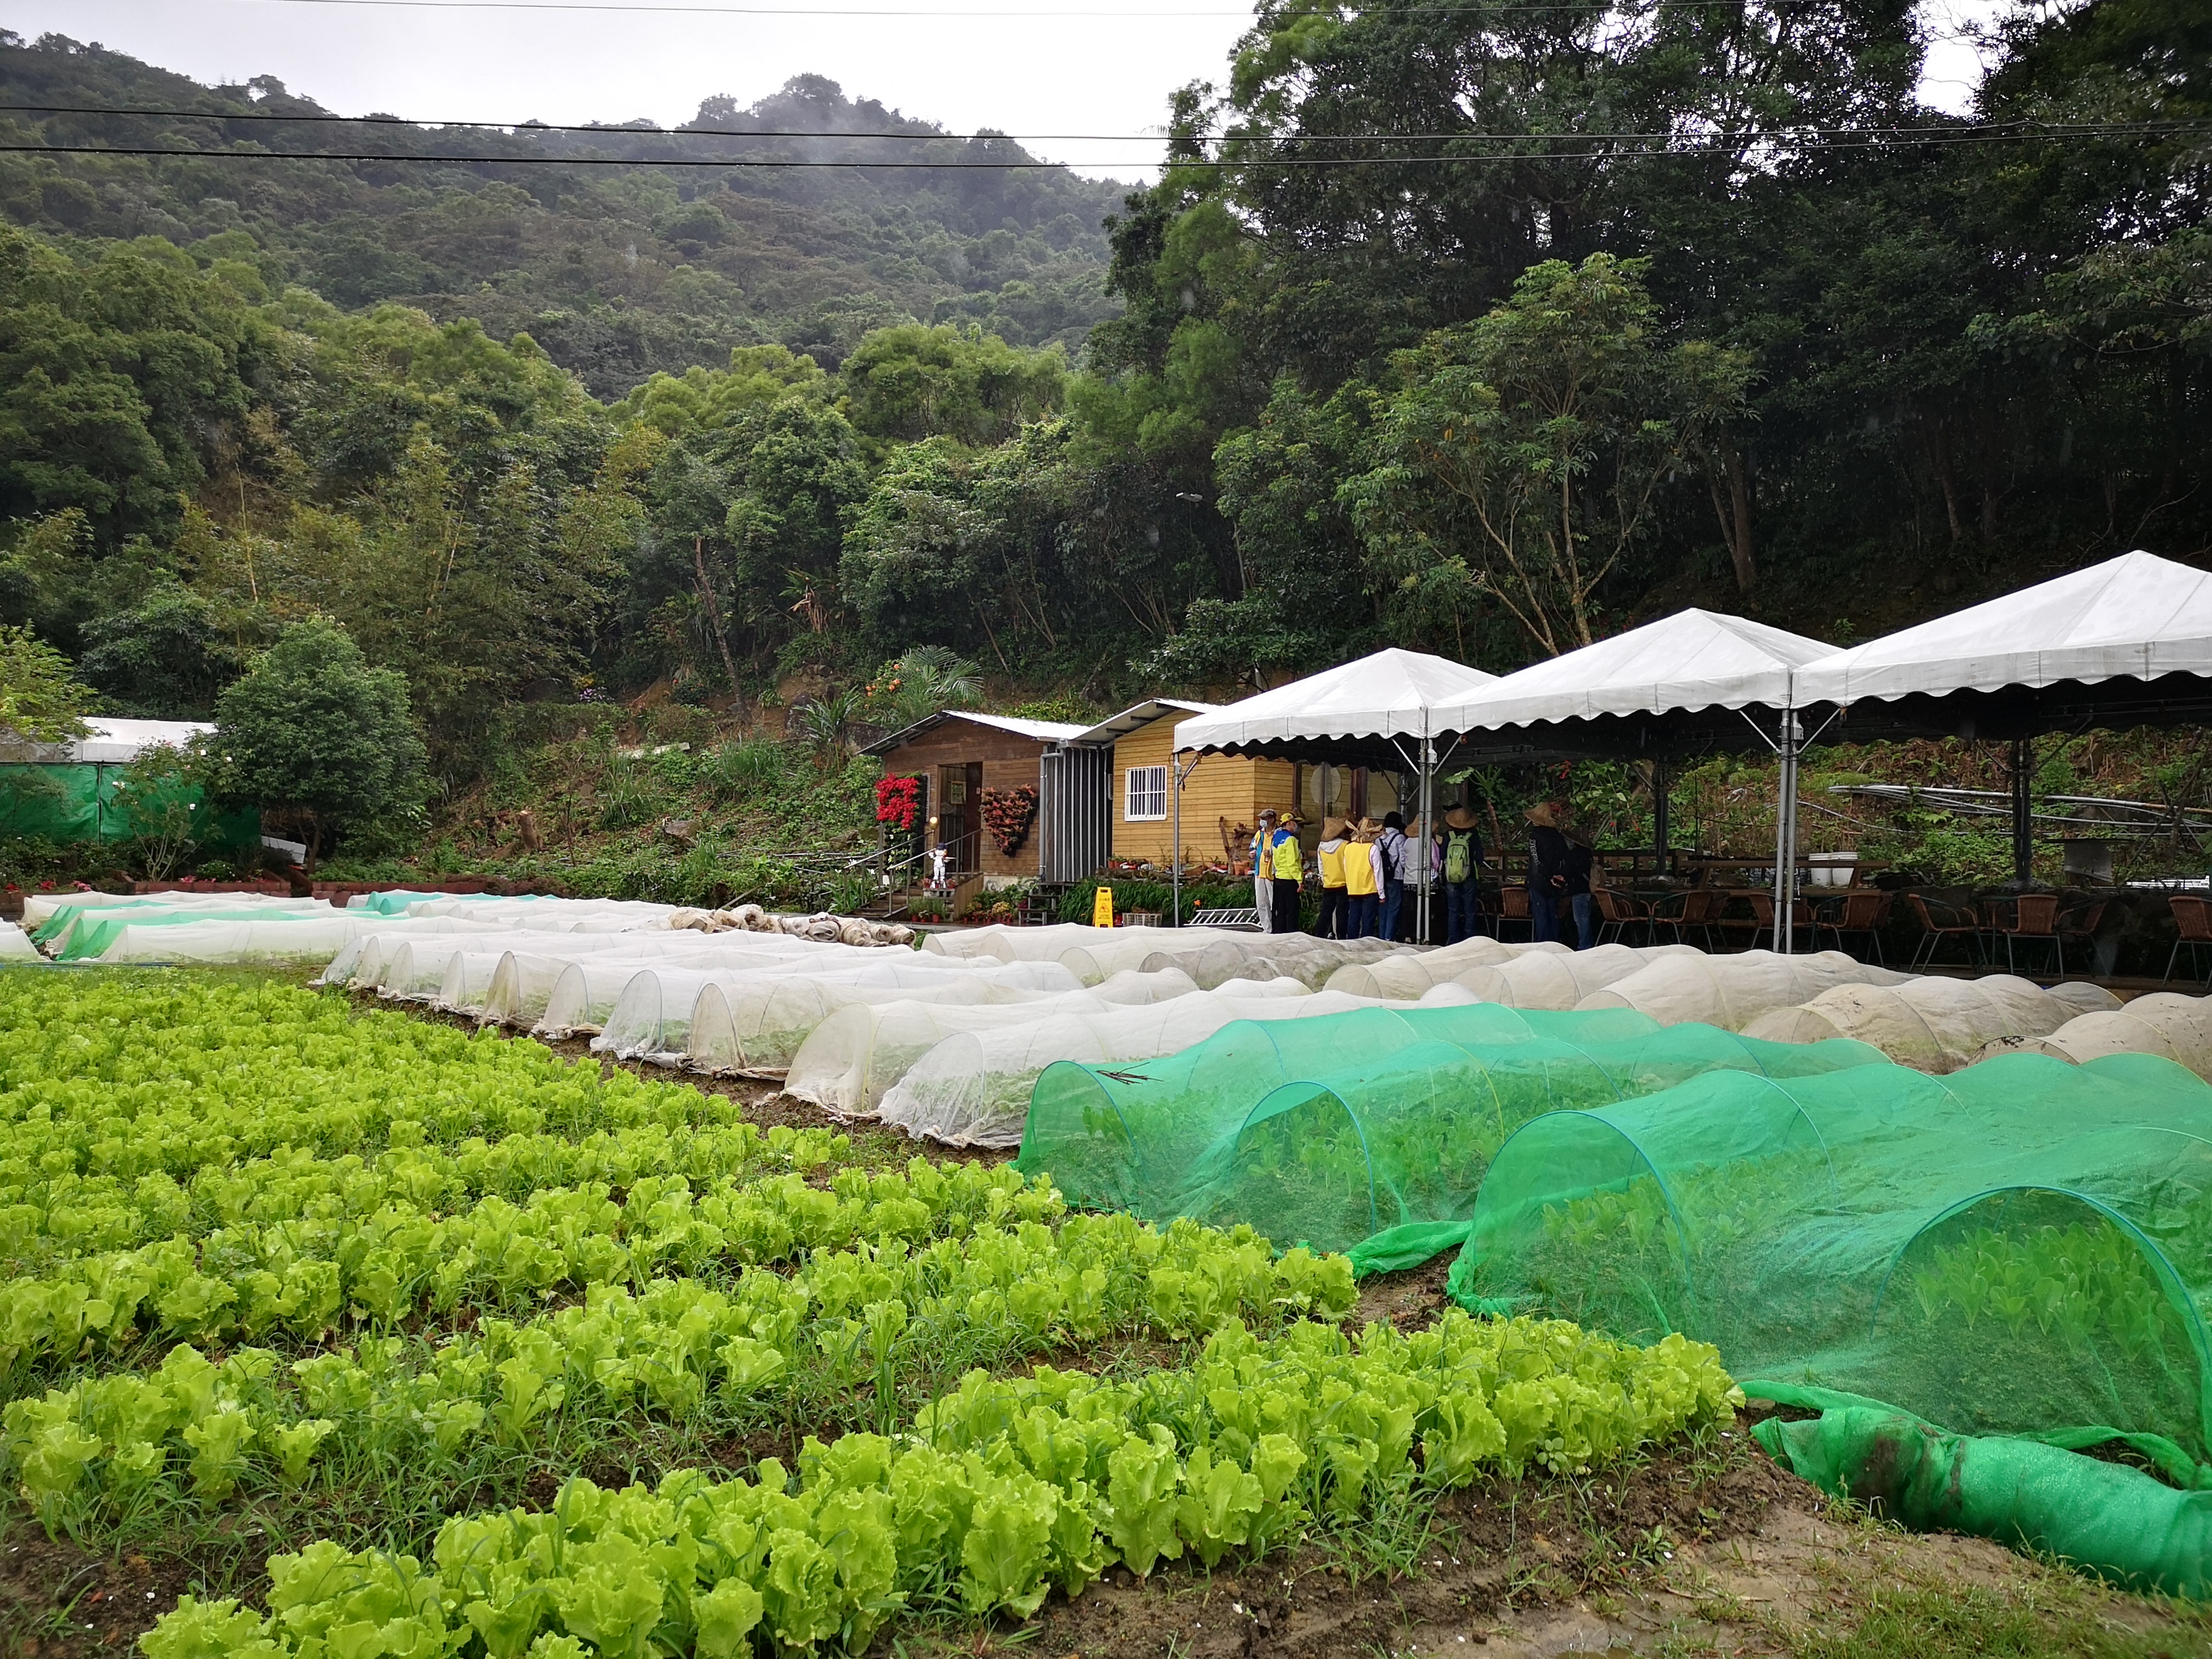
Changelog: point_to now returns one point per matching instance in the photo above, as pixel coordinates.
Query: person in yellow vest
(1359, 880)
(1288, 867)
(1263, 871)
(1335, 899)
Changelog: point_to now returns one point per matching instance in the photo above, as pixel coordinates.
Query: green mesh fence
(1329, 1131)
(93, 801)
(2019, 1248)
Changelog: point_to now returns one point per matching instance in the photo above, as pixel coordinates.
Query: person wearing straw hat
(1263, 873)
(1288, 864)
(1359, 885)
(1459, 858)
(1547, 870)
(1335, 897)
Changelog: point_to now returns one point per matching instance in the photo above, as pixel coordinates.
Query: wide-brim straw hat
(1543, 812)
(1369, 827)
(1459, 818)
(1333, 829)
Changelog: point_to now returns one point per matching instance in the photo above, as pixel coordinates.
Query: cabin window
(1147, 797)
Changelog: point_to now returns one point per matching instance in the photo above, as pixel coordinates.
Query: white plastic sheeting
(365, 961)
(717, 1021)
(1933, 1024)
(584, 994)
(1300, 956)
(1412, 972)
(1014, 943)
(296, 939)
(15, 944)
(972, 1088)
(1732, 991)
(234, 907)
(860, 1050)
(1561, 979)
(2164, 1023)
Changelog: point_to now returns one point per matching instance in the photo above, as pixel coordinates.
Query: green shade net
(84, 801)
(2021, 1248)
(1332, 1131)
(393, 901)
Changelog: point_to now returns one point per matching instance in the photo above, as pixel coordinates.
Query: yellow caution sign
(1101, 907)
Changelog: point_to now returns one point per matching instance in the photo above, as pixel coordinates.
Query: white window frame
(1153, 793)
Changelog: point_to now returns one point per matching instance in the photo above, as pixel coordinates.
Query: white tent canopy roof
(2137, 616)
(1390, 693)
(1693, 659)
(108, 740)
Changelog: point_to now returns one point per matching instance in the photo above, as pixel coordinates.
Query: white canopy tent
(2127, 642)
(1381, 705)
(1685, 681)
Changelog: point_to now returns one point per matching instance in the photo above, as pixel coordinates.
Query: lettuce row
(46, 1219)
(680, 1347)
(304, 1276)
(169, 1073)
(1002, 1489)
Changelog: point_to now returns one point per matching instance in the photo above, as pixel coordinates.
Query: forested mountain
(1488, 327)
(615, 271)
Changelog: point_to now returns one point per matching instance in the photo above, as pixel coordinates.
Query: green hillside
(617, 272)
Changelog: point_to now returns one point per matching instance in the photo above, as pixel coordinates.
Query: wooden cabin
(1222, 794)
(961, 757)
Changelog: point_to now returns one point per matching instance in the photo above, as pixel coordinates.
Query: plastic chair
(1762, 911)
(1513, 906)
(2034, 917)
(1620, 913)
(1695, 909)
(2080, 924)
(2192, 924)
(1860, 912)
(1939, 921)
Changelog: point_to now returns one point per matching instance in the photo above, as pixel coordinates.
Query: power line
(1515, 8)
(799, 164)
(1930, 132)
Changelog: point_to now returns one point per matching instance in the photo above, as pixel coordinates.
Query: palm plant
(922, 680)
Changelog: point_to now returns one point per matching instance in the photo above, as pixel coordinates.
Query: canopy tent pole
(2023, 844)
(1785, 836)
(1178, 771)
(1428, 831)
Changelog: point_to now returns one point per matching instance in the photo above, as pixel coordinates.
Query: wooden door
(960, 817)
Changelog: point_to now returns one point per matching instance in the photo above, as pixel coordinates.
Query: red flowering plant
(1008, 814)
(898, 800)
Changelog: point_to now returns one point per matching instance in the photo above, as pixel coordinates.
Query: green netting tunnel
(1329, 1131)
(2021, 1248)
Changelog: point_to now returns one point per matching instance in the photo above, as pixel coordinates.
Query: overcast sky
(1058, 67)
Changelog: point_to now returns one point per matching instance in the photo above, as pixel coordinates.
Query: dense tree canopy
(1485, 327)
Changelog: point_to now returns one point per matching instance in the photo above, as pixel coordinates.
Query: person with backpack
(1548, 871)
(1359, 881)
(1335, 895)
(1460, 856)
(1390, 872)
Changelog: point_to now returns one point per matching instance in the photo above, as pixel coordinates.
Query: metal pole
(2023, 821)
(1663, 783)
(1785, 835)
(1174, 833)
(1428, 830)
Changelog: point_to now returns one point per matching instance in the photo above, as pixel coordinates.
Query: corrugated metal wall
(1075, 813)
